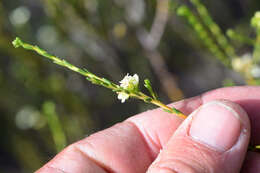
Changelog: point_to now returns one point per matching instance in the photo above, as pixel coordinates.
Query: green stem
(203, 34)
(95, 79)
(59, 137)
(214, 29)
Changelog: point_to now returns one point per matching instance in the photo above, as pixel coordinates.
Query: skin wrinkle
(95, 161)
(152, 142)
(158, 139)
(135, 131)
(200, 164)
(183, 106)
(56, 169)
(92, 156)
(167, 169)
(143, 139)
(202, 152)
(196, 146)
(73, 148)
(204, 156)
(198, 149)
(152, 139)
(177, 165)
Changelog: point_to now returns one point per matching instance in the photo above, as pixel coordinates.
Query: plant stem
(173, 110)
(100, 81)
(203, 34)
(97, 80)
(214, 29)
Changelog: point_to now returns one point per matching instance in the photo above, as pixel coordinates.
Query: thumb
(213, 139)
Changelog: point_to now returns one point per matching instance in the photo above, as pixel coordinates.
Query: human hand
(214, 138)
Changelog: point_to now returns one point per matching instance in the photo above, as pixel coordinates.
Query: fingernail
(216, 125)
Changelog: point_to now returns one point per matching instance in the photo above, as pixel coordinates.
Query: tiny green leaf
(148, 100)
(106, 81)
(117, 90)
(17, 42)
(85, 70)
(148, 86)
(166, 110)
(176, 111)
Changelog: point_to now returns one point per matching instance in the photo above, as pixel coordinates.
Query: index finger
(132, 145)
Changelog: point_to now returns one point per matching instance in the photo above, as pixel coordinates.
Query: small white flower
(122, 96)
(130, 82)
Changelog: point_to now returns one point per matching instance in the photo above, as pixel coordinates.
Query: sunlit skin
(132, 145)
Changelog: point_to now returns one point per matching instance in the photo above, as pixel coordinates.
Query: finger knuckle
(176, 166)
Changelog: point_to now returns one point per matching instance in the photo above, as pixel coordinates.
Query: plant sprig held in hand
(129, 86)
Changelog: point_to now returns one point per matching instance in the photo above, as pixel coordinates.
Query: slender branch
(214, 29)
(203, 34)
(98, 80)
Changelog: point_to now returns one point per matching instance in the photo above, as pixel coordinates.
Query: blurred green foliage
(43, 107)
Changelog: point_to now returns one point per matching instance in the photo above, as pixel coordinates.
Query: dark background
(109, 38)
